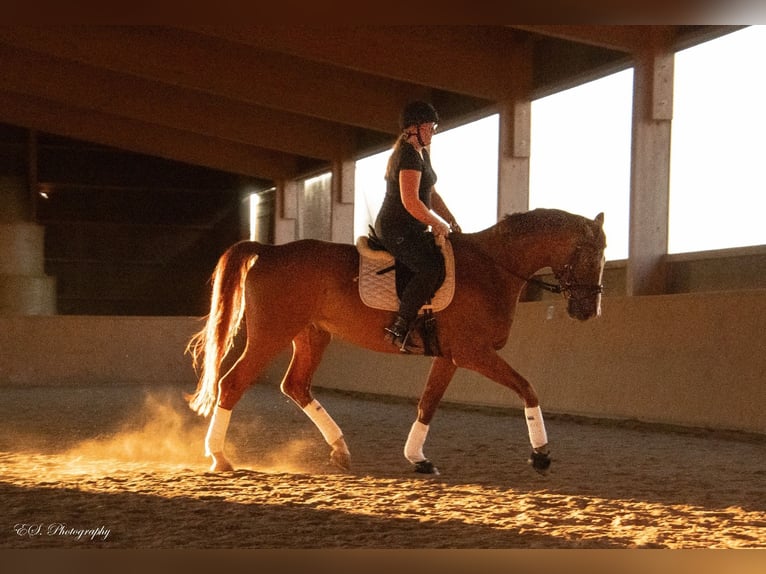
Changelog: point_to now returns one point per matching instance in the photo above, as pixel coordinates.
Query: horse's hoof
(540, 461)
(426, 467)
(220, 464)
(341, 459)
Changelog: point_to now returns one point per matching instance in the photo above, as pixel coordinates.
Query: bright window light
(255, 200)
(580, 154)
(718, 168)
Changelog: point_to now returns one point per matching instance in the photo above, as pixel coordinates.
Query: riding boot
(398, 334)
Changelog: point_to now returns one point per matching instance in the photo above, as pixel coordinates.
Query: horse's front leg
(492, 366)
(439, 378)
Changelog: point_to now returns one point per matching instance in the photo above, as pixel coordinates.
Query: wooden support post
(343, 173)
(515, 137)
(650, 167)
(286, 211)
(32, 165)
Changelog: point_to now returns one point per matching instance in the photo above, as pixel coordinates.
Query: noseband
(576, 291)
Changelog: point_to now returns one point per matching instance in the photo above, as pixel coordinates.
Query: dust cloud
(163, 431)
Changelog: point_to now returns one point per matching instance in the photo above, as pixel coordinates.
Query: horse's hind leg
(231, 387)
(308, 347)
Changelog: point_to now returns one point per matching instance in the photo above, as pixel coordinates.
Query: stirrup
(398, 334)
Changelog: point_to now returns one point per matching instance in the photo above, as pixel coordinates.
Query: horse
(305, 292)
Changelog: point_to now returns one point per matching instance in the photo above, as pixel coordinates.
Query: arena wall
(694, 360)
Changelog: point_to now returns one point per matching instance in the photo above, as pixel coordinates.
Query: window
(465, 159)
(260, 205)
(369, 189)
(718, 163)
(315, 208)
(580, 154)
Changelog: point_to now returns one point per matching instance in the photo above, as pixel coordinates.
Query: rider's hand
(441, 229)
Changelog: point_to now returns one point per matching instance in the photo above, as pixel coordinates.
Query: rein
(551, 287)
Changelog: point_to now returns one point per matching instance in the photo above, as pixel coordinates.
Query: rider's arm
(409, 183)
(440, 207)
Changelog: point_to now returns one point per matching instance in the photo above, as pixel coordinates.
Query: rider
(412, 205)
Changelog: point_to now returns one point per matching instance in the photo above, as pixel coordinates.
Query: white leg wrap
(330, 431)
(536, 426)
(216, 432)
(413, 448)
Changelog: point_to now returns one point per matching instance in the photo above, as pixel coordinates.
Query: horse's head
(580, 276)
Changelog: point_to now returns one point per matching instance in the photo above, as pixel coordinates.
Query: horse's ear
(600, 218)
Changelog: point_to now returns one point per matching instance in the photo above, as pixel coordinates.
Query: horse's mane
(543, 221)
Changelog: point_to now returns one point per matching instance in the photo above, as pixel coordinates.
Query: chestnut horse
(305, 293)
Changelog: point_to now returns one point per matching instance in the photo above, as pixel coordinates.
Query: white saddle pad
(379, 290)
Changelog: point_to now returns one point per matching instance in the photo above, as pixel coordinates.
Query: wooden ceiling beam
(470, 60)
(629, 38)
(79, 85)
(151, 139)
(626, 38)
(234, 71)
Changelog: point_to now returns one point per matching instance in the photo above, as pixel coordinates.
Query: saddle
(382, 278)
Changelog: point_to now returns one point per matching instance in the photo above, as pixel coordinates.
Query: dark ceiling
(278, 102)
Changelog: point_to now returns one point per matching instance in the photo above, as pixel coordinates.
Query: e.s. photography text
(35, 529)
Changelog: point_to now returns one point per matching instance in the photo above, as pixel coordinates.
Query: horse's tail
(227, 305)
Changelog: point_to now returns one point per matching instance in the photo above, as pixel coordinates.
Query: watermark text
(36, 529)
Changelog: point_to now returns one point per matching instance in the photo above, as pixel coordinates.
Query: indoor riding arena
(132, 157)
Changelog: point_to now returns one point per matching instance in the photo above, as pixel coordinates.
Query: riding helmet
(418, 112)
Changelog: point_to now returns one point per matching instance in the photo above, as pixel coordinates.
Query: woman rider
(412, 205)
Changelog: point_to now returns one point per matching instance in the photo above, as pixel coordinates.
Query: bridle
(576, 291)
(572, 290)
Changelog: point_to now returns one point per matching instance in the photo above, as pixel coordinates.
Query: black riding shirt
(393, 218)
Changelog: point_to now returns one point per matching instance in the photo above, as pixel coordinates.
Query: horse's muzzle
(584, 308)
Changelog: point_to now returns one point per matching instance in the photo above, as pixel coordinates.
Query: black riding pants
(418, 251)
